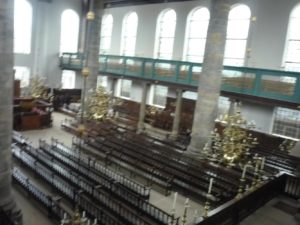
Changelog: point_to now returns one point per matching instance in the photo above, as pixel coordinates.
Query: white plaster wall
(43, 59)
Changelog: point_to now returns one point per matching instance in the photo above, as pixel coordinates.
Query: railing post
(190, 74)
(257, 84)
(143, 68)
(69, 61)
(177, 71)
(296, 96)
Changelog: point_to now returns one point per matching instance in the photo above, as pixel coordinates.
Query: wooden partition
(234, 211)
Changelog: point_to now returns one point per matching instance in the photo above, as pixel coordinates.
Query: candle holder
(206, 206)
(241, 188)
(172, 220)
(184, 217)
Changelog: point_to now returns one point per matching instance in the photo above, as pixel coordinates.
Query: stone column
(141, 124)
(210, 79)
(92, 40)
(177, 115)
(7, 202)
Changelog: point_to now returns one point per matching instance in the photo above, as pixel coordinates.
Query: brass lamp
(76, 219)
(232, 146)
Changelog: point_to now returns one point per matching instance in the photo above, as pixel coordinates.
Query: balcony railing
(272, 84)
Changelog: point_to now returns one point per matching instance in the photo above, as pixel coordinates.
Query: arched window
(165, 31)
(130, 24)
(195, 37)
(22, 26)
(106, 31)
(237, 35)
(292, 52)
(69, 31)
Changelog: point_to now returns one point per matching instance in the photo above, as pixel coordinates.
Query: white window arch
(129, 30)
(22, 26)
(195, 35)
(69, 31)
(165, 32)
(237, 34)
(106, 33)
(292, 48)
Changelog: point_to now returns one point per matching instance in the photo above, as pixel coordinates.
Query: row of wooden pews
(91, 164)
(115, 200)
(159, 163)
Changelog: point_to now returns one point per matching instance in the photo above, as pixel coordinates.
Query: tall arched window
(69, 31)
(22, 26)
(292, 52)
(195, 37)
(165, 32)
(130, 24)
(237, 35)
(106, 31)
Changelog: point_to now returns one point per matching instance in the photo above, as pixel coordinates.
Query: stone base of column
(140, 128)
(197, 144)
(173, 136)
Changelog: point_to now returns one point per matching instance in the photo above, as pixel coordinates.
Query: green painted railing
(273, 84)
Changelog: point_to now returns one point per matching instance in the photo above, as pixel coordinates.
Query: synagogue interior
(160, 112)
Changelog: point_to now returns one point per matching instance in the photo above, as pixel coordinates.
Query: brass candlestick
(172, 220)
(184, 217)
(241, 188)
(206, 206)
(76, 219)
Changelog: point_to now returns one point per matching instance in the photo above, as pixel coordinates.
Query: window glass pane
(22, 26)
(235, 49)
(190, 95)
(237, 35)
(196, 32)
(223, 105)
(287, 122)
(102, 81)
(166, 25)
(130, 24)
(198, 29)
(294, 28)
(196, 46)
(22, 74)
(68, 79)
(294, 51)
(160, 95)
(69, 31)
(125, 88)
(106, 32)
(292, 54)
(239, 12)
(238, 29)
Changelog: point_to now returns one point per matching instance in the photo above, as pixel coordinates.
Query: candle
(256, 166)
(244, 172)
(186, 202)
(174, 201)
(262, 163)
(211, 180)
(65, 215)
(83, 214)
